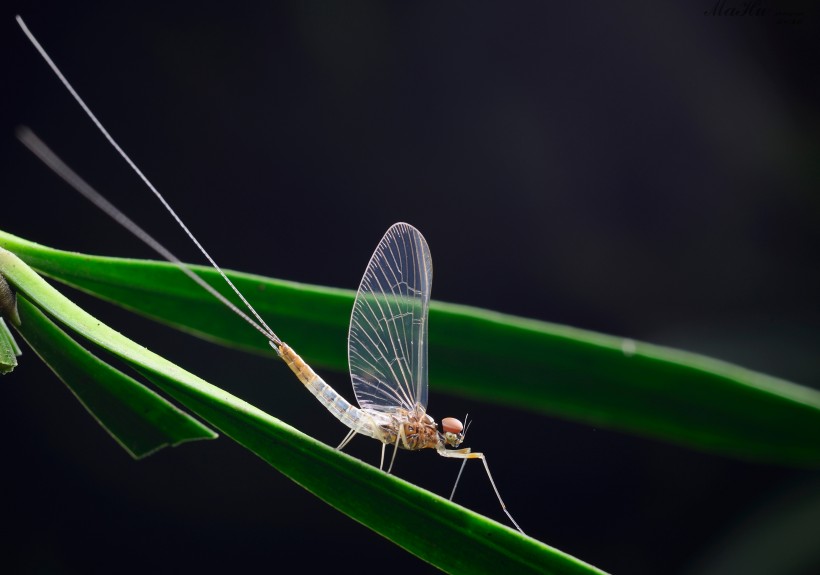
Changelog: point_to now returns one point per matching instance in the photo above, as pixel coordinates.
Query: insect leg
(458, 478)
(466, 454)
(346, 440)
(399, 437)
(381, 462)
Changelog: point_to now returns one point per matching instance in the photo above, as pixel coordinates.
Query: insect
(387, 340)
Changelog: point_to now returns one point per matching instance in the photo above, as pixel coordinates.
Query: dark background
(647, 170)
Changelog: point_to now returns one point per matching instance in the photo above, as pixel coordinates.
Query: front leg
(466, 454)
(463, 453)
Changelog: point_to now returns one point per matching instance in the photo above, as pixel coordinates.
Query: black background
(647, 170)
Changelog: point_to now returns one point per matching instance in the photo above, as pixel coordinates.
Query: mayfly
(387, 340)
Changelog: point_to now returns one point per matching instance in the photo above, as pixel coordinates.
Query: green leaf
(139, 420)
(355, 488)
(8, 309)
(650, 390)
(8, 349)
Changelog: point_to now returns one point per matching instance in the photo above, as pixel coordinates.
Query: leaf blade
(138, 419)
(364, 493)
(9, 351)
(603, 380)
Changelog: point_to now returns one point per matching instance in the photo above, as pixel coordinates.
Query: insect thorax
(413, 429)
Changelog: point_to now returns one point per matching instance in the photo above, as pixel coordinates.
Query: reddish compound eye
(451, 425)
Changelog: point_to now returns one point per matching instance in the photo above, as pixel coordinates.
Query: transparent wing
(387, 342)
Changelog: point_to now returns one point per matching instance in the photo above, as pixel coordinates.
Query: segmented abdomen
(343, 410)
